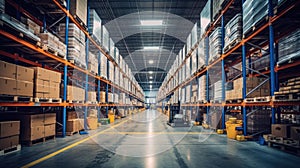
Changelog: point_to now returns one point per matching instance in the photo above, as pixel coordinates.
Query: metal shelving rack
(66, 64)
(241, 46)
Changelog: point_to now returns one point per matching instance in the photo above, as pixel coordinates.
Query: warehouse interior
(149, 83)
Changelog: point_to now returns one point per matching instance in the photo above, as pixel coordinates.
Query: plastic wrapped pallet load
(217, 7)
(188, 43)
(201, 54)
(194, 62)
(2, 6)
(93, 63)
(105, 38)
(194, 35)
(78, 8)
(111, 76)
(289, 47)
(95, 26)
(233, 31)
(215, 44)
(103, 66)
(111, 48)
(206, 16)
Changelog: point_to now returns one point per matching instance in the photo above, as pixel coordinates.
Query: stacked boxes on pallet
(95, 26)
(289, 47)
(46, 83)
(111, 48)
(217, 7)
(236, 92)
(75, 122)
(92, 120)
(259, 121)
(76, 45)
(75, 93)
(105, 38)
(205, 16)
(188, 94)
(103, 67)
(253, 12)
(93, 63)
(92, 96)
(201, 54)
(34, 126)
(15, 80)
(217, 91)
(9, 134)
(233, 32)
(31, 26)
(53, 43)
(102, 97)
(79, 8)
(215, 42)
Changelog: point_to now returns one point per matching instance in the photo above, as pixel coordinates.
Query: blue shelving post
(99, 86)
(106, 88)
(64, 116)
(206, 45)
(244, 73)
(223, 72)
(272, 60)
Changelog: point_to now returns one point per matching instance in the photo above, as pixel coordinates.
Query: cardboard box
(9, 142)
(41, 86)
(25, 74)
(8, 86)
(80, 124)
(92, 123)
(8, 70)
(50, 118)
(72, 125)
(49, 130)
(9, 128)
(79, 8)
(24, 88)
(32, 133)
(102, 97)
(281, 130)
(295, 133)
(41, 73)
(54, 76)
(71, 115)
(32, 120)
(54, 90)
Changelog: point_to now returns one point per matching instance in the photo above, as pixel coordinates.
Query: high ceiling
(123, 20)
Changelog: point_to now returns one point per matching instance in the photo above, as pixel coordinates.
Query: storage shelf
(33, 104)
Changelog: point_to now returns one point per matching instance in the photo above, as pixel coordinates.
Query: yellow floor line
(68, 147)
(159, 133)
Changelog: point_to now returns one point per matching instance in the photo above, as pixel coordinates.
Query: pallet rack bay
(238, 61)
(29, 52)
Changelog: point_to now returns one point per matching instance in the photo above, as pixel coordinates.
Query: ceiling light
(150, 77)
(150, 72)
(150, 81)
(151, 22)
(150, 86)
(151, 48)
(151, 61)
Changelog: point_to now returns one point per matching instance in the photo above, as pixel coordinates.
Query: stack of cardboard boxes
(79, 8)
(9, 134)
(47, 83)
(75, 122)
(15, 80)
(102, 97)
(75, 93)
(92, 119)
(92, 96)
(93, 63)
(236, 92)
(53, 43)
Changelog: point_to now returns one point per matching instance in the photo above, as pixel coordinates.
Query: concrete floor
(145, 140)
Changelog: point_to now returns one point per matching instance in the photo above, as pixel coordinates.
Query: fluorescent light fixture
(151, 48)
(150, 86)
(150, 81)
(151, 61)
(150, 72)
(150, 77)
(151, 22)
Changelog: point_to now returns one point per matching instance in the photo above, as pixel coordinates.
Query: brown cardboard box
(41, 95)
(8, 86)
(8, 70)
(41, 86)
(72, 125)
(55, 76)
(92, 96)
(9, 142)
(79, 8)
(92, 123)
(32, 133)
(50, 118)
(32, 120)
(25, 74)
(41, 73)
(49, 130)
(80, 124)
(54, 90)
(281, 130)
(295, 133)
(9, 128)
(102, 97)
(24, 88)
(71, 115)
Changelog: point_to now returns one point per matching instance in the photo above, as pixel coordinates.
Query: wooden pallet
(234, 101)
(91, 102)
(231, 45)
(289, 146)
(37, 141)
(286, 97)
(10, 98)
(10, 150)
(77, 63)
(47, 100)
(216, 101)
(80, 22)
(255, 27)
(258, 99)
(75, 101)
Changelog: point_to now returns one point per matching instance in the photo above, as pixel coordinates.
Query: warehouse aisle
(145, 140)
